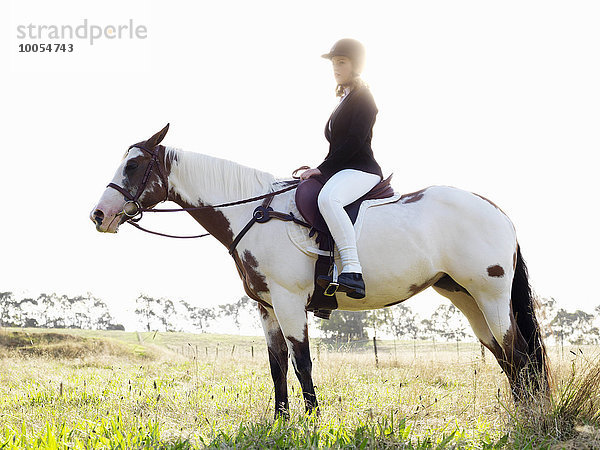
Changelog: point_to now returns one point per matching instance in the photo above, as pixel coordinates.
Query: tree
(402, 321)
(576, 327)
(451, 323)
(244, 308)
(9, 307)
(547, 312)
(562, 326)
(148, 310)
(345, 326)
(199, 317)
(168, 316)
(378, 319)
(50, 311)
(26, 313)
(430, 329)
(585, 333)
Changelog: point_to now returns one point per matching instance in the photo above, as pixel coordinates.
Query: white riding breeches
(340, 190)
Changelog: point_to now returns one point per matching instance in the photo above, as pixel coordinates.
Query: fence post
(252, 350)
(375, 349)
(232, 350)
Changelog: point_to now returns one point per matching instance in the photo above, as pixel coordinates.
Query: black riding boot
(349, 282)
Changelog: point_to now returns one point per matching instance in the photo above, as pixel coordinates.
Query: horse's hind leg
(494, 325)
(291, 315)
(278, 358)
(468, 306)
(498, 314)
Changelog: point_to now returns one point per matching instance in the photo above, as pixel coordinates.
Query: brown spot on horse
(256, 280)
(213, 220)
(495, 271)
(416, 288)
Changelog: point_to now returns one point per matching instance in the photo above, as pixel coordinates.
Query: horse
(458, 242)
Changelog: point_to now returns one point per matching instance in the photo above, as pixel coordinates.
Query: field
(85, 389)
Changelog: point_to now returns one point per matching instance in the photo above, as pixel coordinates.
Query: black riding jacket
(350, 135)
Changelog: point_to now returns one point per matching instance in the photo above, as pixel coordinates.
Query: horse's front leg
(291, 315)
(278, 359)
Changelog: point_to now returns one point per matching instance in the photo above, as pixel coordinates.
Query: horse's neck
(202, 180)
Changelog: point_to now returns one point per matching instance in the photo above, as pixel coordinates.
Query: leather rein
(261, 214)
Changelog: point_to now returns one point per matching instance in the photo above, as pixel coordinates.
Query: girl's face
(342, 69)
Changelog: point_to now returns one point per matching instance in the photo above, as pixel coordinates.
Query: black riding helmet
(350, 48)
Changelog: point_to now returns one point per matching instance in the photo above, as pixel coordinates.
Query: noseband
(136, 215)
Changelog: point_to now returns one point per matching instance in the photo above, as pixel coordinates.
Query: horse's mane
(215, 179)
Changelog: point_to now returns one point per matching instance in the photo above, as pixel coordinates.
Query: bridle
(136, 215)
(261, 214)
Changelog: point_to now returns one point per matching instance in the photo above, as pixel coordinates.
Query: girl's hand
(309, 173)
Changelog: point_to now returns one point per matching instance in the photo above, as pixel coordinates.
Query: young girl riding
(350, 170)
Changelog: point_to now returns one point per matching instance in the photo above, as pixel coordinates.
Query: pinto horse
(455, 241)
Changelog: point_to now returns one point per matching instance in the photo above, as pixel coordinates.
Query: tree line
(446, 323)
(56, 311)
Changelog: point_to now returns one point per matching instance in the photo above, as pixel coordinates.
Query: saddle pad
(299, 235)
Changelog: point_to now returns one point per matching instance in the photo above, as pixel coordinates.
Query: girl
(350, 170)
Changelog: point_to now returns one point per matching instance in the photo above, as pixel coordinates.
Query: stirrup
(331, 289)
(333, 286)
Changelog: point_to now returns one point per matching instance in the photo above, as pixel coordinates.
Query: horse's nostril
(98, 216)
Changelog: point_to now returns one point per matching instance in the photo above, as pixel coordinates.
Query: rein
(261, 214)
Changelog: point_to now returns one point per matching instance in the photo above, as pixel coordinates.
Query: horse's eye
(131, 166)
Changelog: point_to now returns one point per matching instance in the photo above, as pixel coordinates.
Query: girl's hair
(356, 83)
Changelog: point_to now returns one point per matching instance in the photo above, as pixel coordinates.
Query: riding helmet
(350, 48)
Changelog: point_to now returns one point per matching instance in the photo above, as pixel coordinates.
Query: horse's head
(139, 182)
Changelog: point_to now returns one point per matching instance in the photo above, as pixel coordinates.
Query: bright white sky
(500, 98)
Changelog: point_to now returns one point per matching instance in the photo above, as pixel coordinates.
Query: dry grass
(68, 346)
(226, 398)
(570, 418)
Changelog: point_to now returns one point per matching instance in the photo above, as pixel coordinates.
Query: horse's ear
(157, 138)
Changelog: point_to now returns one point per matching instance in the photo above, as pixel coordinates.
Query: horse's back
(445, 210)
(438, 230)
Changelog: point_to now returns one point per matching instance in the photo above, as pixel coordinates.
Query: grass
(179, 392)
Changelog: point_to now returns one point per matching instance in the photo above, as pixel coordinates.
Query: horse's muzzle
(104, 224)
(97, 216)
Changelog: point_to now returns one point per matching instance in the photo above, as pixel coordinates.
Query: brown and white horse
(459, 243)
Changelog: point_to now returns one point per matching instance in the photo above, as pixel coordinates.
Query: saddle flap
(307, 194)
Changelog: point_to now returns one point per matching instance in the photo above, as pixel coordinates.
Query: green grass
(178, 392)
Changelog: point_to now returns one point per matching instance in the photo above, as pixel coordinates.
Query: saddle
(307, 193)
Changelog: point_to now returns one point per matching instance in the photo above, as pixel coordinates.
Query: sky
(498, 98)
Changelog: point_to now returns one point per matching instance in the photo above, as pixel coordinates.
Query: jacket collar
(343, 103)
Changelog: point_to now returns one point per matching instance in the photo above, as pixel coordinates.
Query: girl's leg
(340, 190)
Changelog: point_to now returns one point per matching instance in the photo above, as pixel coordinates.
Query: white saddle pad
(299, 234)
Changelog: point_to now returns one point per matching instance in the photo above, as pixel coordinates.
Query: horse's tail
(523, 306)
